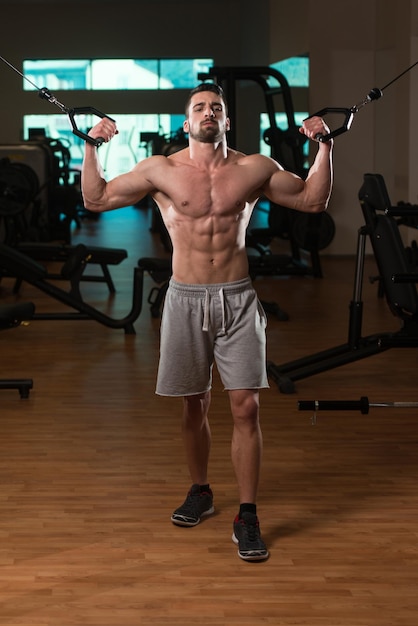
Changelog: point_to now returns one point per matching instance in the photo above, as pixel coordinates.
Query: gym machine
(25, 227)
(16, 264)
(57, 187)
(396, 279)
(29, 228)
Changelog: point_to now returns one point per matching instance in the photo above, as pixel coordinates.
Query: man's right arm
(127, 189)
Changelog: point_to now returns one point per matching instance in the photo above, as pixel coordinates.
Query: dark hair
(217, 89)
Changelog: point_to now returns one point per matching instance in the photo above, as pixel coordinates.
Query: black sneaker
(247, 535)
(196, 505)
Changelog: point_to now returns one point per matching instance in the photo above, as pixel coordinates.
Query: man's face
(207, 121)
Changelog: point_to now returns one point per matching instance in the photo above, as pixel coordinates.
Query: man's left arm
(313, 194)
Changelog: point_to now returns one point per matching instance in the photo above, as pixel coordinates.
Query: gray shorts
(203, 324)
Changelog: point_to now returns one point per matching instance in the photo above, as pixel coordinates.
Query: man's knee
(245, 405)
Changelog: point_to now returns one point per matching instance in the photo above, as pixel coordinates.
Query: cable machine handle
(374, 94)
(85, 111)
(72, 112)
(348, 118)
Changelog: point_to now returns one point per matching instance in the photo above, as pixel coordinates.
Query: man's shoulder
(155, 162)
(258, 161)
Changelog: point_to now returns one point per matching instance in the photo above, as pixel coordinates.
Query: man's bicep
(284, 188)
(129, 188)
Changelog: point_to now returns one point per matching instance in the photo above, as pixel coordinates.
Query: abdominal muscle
(209, 250)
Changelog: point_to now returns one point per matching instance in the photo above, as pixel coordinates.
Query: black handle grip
(348, 118)
(335, 405)
(98, 141)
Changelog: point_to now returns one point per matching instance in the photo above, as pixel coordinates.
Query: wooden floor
(91, 466)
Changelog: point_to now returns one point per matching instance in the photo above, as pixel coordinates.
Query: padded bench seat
(61, 253)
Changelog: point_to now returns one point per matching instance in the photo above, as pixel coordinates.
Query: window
(124, 151)
(110, 74)
(295, 70)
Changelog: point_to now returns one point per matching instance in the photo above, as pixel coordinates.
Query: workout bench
(48, 253)
(16, 264)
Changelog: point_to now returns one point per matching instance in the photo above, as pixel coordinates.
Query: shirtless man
(206, 194)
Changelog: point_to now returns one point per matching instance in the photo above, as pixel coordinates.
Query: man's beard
(207, 134)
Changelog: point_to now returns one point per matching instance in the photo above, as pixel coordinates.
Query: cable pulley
(71, 112)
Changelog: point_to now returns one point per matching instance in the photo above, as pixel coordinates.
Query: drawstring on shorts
(206, 310)
(222, 299)
(205, 326)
